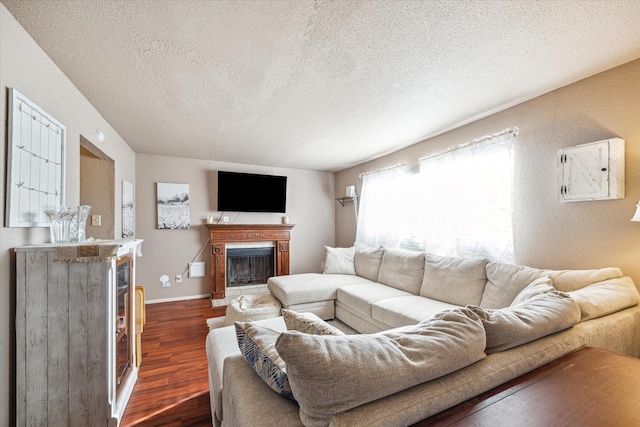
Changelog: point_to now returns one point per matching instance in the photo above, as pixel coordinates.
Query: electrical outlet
(225, 219)
(178, 278)
(166, 284)
(96, 220)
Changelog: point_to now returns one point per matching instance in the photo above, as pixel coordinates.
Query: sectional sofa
(522, 318)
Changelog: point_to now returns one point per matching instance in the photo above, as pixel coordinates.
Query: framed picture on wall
(173, 206)
(127, 210)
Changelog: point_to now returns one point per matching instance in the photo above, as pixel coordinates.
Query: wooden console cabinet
(75, 336)
(221, 234)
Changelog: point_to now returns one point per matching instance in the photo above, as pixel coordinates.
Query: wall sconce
(100, 136)
(636, 217)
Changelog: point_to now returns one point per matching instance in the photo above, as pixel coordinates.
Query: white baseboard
(156, 301)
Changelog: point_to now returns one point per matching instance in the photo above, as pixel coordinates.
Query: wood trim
(221, 234)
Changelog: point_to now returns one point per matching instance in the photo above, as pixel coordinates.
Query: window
(458, 203)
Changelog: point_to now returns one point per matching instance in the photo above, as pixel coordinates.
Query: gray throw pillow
(330, 374)
(539, 286)
(537, 317)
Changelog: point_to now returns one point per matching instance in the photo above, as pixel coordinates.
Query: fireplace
(226, 237)
(249, 266)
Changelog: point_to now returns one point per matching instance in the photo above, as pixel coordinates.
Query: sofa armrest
(248, 401)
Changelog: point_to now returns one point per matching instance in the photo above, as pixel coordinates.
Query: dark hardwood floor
(172, 387)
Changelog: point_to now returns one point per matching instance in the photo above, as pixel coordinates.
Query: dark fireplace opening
(249, 266)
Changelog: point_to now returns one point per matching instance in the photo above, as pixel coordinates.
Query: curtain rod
(511, 132)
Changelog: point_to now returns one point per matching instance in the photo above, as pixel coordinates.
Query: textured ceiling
(320, 84)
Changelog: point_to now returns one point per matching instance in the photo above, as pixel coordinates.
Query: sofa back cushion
(504, 283)
(454, 280)
(402, 270)
(367, 261)
(572, 280)
(331, 374)
(602, 298)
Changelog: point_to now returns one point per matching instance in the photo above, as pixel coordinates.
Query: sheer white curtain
(386, 206)
(459, 203)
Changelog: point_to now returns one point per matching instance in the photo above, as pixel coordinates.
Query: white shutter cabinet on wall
(592, 171)
(67, 338)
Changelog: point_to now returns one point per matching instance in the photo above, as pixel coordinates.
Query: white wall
(310, 206)
(24, 66)
(550, 234)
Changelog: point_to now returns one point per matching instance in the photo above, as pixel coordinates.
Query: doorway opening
(97, 189)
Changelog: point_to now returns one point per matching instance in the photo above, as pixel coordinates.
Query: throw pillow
(257, 346)
(330, 374)
(455, 280)
(610, 296)
(339, 260)
(539, 286)
(308, 323)
(540, 316)
(367, 261)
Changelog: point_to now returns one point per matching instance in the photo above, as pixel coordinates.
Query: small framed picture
(173, 206)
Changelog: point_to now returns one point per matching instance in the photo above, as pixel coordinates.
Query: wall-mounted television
(245, 192)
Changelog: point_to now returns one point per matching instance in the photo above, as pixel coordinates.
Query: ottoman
(252, 307)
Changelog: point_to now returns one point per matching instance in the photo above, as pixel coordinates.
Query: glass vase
(78, 227)
(60, 221)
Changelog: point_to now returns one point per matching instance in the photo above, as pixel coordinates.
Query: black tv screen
(245, 192)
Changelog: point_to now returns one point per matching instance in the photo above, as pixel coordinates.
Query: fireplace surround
(221, 235)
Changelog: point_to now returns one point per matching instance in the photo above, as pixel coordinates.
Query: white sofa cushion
(537, 317)
(331, 374)
(402, 270)
(572, 280)
(602, 298)
(504, 283)
(407, 310)
(339, 260)
(454, 280)
(361, 297)
(310, 287)
(367, 261)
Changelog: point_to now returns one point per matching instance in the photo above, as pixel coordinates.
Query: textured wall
(548, 233)
(97, 190)
(24, 65)
(310, 205)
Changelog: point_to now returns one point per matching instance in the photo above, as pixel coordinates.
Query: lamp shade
(636, 216)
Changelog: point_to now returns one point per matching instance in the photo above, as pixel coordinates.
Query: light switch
(96, 220)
